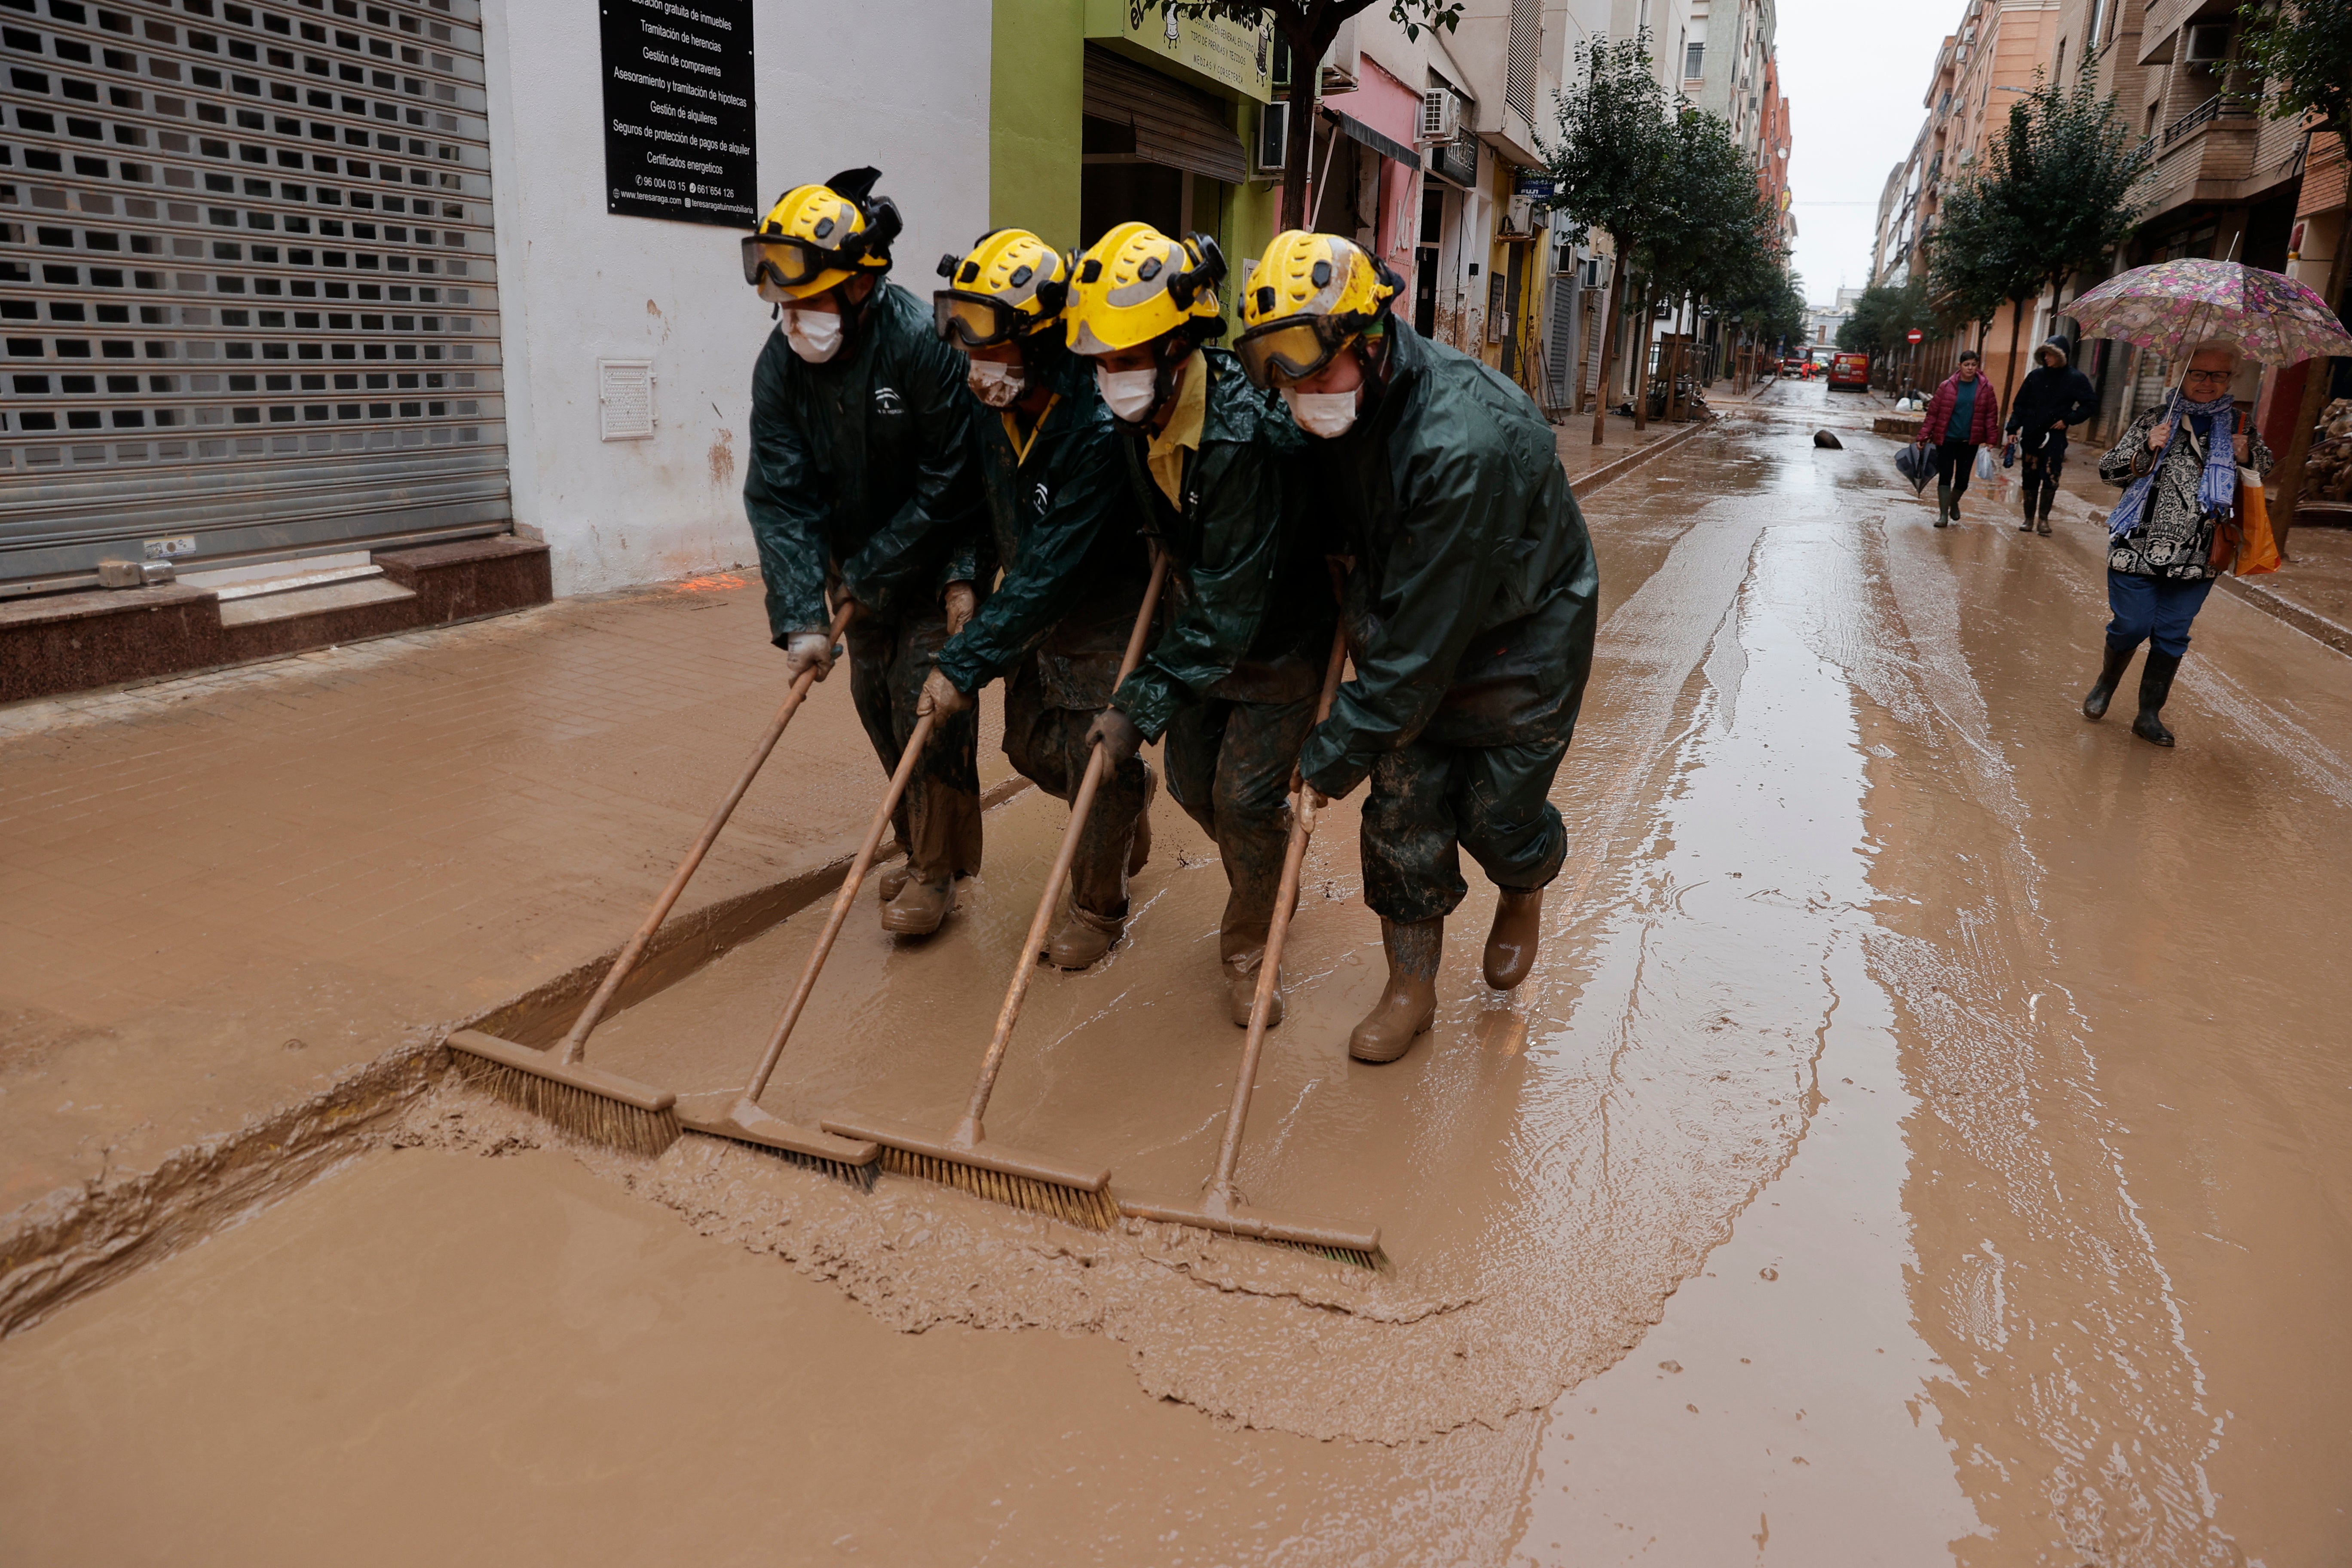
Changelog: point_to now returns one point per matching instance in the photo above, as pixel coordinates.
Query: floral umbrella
(2171, 307)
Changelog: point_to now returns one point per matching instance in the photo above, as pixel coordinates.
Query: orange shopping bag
(2258, 553)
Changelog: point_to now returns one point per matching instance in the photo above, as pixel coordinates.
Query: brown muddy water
(1927, 1140)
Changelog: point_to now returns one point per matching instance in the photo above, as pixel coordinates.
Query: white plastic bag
(1987, 469)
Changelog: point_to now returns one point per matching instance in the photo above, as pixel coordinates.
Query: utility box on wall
(625, 399)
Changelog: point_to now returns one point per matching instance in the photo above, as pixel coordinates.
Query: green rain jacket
(1252, 597)
(861, 467)
(1066, 522)
(1472, 606)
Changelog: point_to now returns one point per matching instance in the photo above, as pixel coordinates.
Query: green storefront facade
(1097, 115)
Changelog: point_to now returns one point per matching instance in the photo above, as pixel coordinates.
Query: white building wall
(903, 84)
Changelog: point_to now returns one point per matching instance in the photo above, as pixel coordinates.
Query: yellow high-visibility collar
(1167, 447)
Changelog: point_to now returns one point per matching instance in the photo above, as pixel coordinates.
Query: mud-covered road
(1928, 1137)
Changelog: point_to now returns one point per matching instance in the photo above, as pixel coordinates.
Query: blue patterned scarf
(2217, 487)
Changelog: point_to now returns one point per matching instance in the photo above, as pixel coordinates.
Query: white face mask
(814, 335)
(1324, 413)
(1129, 392)
(997, 385)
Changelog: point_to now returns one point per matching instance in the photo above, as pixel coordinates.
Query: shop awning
(1165, 122)
(1386, 146)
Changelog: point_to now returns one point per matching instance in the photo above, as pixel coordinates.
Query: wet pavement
(1924, 1139)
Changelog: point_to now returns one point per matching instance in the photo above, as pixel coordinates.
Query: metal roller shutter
(245, 281)
(1172, 124)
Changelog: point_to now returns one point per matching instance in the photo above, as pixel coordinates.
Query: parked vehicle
(1849, 371)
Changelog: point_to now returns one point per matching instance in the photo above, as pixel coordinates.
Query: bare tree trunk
(2316, 377)
(2016, 325)
(1609, 343)
(1298, 136)
(1642, 361)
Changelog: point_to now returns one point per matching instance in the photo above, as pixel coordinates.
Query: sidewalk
(1620, 440)
(222, 893)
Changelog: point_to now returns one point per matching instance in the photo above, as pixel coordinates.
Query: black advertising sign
(679, 116)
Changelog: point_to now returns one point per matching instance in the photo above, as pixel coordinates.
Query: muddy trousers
(1048, 745)
(938, 816)
(1229, 766)
(1429, 802)
(2157, 610)
(2040, 469)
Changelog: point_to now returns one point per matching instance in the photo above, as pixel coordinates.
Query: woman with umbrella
(2178, 464)
(2175, 530)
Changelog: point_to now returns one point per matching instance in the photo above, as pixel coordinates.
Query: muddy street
(1927, 1137)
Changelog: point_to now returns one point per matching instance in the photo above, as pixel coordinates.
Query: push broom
(850, 1159)
(555, 1084)
(963, 1157)
(1221, 1208)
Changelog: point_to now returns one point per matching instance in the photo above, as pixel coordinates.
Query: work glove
(1116, 733)
(960, 602)
(807, 650)
(941, 696)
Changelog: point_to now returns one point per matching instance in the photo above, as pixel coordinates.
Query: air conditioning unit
(1440, 115)
(2209, 43)
(1273, 138)
(1519, 218)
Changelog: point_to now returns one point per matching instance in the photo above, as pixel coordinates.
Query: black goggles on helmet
(980, 321)
(789, 262)
(1284, 353)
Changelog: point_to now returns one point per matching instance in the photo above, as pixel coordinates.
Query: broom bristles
(581, 1113)
(1071, 1205)
(859, 1176)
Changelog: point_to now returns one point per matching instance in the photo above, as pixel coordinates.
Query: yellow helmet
(1136, 285)
(1311, 296)
(1012, 284)
(816, 237)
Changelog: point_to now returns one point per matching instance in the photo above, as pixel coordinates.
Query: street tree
(1611, 167)
(2058, 190)
(1884, 317)
(2301, 54)
(1976, 258)
(1713, 227)
(1309, 27)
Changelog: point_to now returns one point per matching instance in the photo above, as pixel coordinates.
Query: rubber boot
(2111, 674)
(1943, 503)
(2033, 488)
(891, 880)
(1511, 940)
(928, 896)
(1409, 1004)
(1084, 938)
(1241, 988)
(2155, 687)
(2042, 518)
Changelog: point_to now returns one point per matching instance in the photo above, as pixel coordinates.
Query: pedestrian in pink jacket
(1964, 414)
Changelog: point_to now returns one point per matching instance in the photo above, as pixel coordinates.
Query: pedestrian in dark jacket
(859, 487)
(1470, 612)
(1214, 463)
(2179, 466)
(2055, 394)
(1068, 526)
(1964, 414)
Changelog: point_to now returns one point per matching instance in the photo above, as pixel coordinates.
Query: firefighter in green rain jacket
(1066, 524)
(1470, 611)
(1215, 466)
(860, 485)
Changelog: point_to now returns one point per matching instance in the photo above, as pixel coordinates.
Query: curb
(2311, 623)
(1618, 468)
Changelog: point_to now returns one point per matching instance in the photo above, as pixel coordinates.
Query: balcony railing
(2221, 106)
